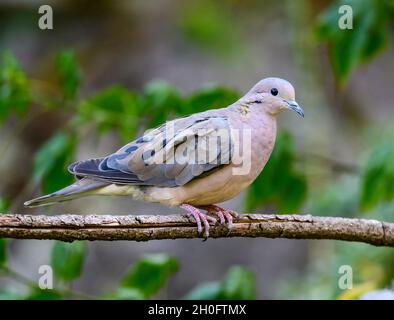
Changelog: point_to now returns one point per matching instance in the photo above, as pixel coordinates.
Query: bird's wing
(170, 155)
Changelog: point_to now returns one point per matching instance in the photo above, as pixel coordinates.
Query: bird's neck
(253, 112)
(255, 117)
(256, 134)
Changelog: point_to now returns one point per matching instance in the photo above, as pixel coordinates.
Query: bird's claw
(226, 216)
(200, 218)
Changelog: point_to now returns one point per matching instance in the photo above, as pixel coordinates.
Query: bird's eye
(274, 91)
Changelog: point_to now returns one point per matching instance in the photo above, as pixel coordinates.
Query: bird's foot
(226, 216)
(199, 217)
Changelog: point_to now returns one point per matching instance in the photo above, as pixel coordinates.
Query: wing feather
(170, 155)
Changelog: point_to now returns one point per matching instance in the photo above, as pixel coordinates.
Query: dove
(194, 162)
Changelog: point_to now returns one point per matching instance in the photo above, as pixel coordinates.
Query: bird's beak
(295, 107)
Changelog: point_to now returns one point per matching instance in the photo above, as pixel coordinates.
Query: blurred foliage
(159, 100)
(343, 193)
(349, 48)
(14, 87)
(39, 294)
(215, 97)
(146, 277)
(125, 111)
(210, 25)
(67, 259)
(4, 205)
(279, 184)
(372, 267)
(112, 108)
(238, 284)
(69, 71)
(50, 162)
(377, 182)
(3, 251)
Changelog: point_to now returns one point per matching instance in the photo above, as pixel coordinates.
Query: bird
(193, 162)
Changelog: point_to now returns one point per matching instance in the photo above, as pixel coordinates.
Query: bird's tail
(78, 189)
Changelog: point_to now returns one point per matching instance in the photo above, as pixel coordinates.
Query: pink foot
(225, 216)
(199, 217)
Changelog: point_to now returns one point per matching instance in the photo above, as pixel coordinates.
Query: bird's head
(274, 95)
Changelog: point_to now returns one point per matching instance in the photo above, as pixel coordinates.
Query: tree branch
(151, 227)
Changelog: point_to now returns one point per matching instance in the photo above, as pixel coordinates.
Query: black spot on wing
(103, 166)
(144, 139)
(131, 149)
(147, 154)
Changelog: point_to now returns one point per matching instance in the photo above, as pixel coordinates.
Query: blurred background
(108, 70)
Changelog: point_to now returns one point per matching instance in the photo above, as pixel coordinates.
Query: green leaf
(160, 100)
(43, 294)
(70, 73)
(378, 176)
(67, 259)
(238, 284)
(127, 294)
(113, 108)
(349, 48)
(150, 273)
(3, 252)
(51, 161)
(4, 205)
(124, 111)
(209, 98)
(14, 91)
(205, 291)
(279, 184)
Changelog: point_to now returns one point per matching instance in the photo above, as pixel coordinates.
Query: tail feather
(78, 189)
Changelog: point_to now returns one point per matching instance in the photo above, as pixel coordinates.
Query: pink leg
(199, 216)
(224, 215)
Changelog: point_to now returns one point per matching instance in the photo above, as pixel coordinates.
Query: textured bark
(152, 227)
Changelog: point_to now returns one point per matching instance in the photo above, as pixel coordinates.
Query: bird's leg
(199, 217)
(225, 216)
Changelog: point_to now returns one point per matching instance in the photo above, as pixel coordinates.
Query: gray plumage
(80, 187)
(150, 159)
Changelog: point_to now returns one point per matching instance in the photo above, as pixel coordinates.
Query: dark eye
(274, 91)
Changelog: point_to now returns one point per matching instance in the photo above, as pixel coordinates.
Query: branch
(150, 227)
